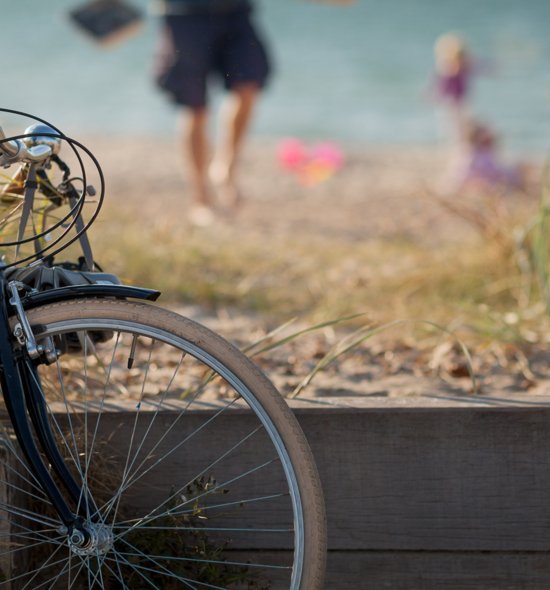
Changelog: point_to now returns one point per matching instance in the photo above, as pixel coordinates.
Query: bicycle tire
(251, 515)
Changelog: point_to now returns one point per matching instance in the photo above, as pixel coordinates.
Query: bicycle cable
(75, 211)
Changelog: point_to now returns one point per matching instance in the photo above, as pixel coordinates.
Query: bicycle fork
(26, 408)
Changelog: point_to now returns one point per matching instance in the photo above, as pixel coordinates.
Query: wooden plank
(443, 479)
(348, 570)
(412, 479)
(425, 570)
(417, 498)
(446, 479)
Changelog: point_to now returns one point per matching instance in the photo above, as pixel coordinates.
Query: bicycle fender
(35, 299)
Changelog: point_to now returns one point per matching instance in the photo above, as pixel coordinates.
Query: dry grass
(376, 240)
(486, 288)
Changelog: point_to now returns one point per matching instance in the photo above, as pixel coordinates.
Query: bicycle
(138, 448)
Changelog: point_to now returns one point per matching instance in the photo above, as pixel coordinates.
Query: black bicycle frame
(14, 381)
(26, 404)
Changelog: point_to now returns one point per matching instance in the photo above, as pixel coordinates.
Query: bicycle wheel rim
(128, 329)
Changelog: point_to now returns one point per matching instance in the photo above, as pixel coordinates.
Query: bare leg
(235, 117)
(194, 124)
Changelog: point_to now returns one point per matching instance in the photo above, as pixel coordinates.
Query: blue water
(356, 74)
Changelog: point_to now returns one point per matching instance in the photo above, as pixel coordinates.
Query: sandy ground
(380, 192)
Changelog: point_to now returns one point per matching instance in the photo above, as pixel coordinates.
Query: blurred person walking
(200, 38)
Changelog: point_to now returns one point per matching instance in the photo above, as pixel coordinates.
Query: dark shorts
(194, 47)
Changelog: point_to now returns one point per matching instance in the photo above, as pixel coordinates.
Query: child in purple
(454, 71)
(454, 68)
(480, 166)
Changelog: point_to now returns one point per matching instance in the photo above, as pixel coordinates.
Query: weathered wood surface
(405, 570)
(437, 571)
(434, 479)
(441, 496)
(436, 497)
(453, 496)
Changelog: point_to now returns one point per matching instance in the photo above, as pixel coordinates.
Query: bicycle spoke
(137, 570)
(134, 480)
(148, 518)
(77, 575)
(72, 455)
(131, 442)
(218, 529)
(85, 487)
(102, 405)
(15, 539)
(21, 490)
(158, 566)
(210, 466)
(32, 534)
(39, 569)
(154, 416)
(51, 584)
(171, 512)
(99, 574)
(14, 452)
(154, 559)
(43, 520)
(119, 576)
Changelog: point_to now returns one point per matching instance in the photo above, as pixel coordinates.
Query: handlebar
(16, 150)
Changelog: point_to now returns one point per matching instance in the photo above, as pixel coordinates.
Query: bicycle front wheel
(198, 473)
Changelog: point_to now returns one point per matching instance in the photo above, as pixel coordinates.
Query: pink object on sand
(311, 165)
(292, 154)
(328, 154)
